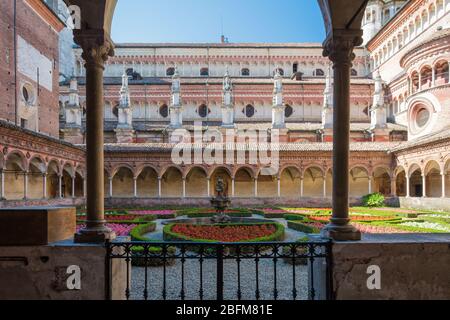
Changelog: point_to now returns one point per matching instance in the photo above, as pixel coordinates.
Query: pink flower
(154, 212)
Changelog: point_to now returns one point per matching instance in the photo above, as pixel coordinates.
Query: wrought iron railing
(218, 271)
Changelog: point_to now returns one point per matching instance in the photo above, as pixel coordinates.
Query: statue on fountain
(221, 202)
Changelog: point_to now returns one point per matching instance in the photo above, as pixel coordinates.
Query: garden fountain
(221, 203)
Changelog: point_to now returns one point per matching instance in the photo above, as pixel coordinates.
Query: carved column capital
(340, 44)
(97, 47)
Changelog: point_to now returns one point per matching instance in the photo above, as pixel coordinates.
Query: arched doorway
(36, 172)
(244, 183)
(415, 182)
(147, 183)
(290, 181)
(67, 183)
(267, 186)
(79, 184)
(359, 182)
(53, 173)
(123, 183)
(433, 180)
(172, 183)
(15, 177)
(313, 182)
(382, 181)
(400, 182)
(197, 183)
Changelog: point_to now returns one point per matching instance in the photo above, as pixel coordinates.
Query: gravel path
(248, 281)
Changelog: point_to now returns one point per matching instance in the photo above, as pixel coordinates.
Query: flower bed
(207, 213)
(374, 229)
(160, 214)
(361, 218)
(258, 232)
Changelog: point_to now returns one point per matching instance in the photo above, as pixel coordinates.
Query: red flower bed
(224, 233)
(123, 217)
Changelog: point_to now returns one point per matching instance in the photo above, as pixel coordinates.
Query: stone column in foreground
(97, 47)
(339, 48)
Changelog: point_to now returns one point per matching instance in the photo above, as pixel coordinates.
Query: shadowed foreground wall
(413, 267)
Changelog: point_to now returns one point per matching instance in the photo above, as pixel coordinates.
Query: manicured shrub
(293, 217)
(137, 234)
(374, 200)
(305, 227)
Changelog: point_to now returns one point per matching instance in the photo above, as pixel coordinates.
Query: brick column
(339, 47)
(97, 47)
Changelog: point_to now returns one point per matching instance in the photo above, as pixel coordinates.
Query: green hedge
(303, 227)
(137, 234)
(277, 236)
(293, 217)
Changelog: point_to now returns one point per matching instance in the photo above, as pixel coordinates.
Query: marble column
(324, 186)
(184, 188)
(279, 187)
(135, 190)
(84, 188)
(25, 185)
(424, 186)
(110, 183)
(370, 184)
(60, 195)
(97, 47)
(44, 186)
(73, 187)
(208, 192)
(339, 48)
(256, 187)
(444, 191)
(2, 178)
(233, 187)
(159, 187)
(302, 187)
(408, 187)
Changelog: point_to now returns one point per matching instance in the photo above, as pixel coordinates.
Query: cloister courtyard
(225, 171)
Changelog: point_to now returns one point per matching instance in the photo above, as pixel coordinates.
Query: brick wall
(41, 38)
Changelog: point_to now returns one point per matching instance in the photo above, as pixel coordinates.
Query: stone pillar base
(341, 232)
(94, 236)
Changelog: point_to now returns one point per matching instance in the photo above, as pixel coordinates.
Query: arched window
(204, 72)
(295, 68)
(245, 72)
(319, 73)
(354, 73)
(288, 111)
(164, 111)
(203, 111)
(170, 72)
(249, 111)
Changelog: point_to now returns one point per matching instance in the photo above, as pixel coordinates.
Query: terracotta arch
(123, 182)
(172, 182)
(225, 174)
(290, 181)
(433, 179)
(313, 181)
(22, 159)
(415, 172)
(196, 182)
(382, 180)
(359, 181)
(400, 181)
(147, 182)
(244, 180)
(120, 166)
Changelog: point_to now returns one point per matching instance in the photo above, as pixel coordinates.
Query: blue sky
(201, 21)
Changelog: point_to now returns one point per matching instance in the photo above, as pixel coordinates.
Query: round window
(203, 111)
(422, 118)
(28, 94)
(288, 111)
(249, 111)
